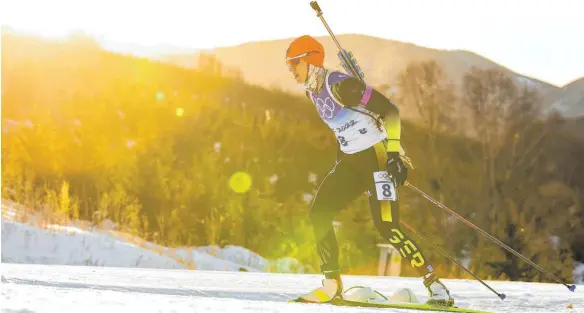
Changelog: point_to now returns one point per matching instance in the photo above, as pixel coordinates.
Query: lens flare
(240, 182)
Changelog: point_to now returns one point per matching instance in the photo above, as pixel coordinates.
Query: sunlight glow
(511, 33)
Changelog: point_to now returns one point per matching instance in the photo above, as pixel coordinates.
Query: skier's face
(299, 69)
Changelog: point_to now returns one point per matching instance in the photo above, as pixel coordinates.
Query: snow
(76, 268)
(26, 244)
(26, 240)
(62, 288)
(68, 245)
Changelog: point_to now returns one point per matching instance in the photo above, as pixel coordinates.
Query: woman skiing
(368, 128)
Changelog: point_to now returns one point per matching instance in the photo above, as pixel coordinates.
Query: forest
(94, 135)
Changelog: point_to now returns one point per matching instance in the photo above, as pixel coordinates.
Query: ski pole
(346, 58)
(348, 62)
(502, 296)
(497, 241)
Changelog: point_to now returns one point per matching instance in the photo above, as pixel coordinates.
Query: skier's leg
(335, 192)
(385, 215)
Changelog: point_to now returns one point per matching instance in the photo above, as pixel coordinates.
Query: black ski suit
(365, 145)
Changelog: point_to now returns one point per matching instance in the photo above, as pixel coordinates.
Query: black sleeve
(350, 92)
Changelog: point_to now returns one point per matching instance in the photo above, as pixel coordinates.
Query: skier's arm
(352, 92)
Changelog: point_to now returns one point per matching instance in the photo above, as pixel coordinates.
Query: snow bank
(67, 245)
(235, 254)
(25, 239)
(22, 243)
(290, 265)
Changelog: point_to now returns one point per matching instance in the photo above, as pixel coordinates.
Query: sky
(542, 39)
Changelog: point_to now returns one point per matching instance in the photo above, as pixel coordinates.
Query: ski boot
(332, 288)
(439, 294)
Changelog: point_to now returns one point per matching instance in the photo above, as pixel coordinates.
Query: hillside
(571, 100)
(381, 59)
(103, 130)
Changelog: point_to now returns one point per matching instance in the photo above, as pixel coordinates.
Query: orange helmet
(307, 48)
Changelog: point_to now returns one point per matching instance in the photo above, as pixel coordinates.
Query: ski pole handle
(316, 8)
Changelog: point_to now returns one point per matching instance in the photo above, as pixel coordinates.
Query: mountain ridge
(262, 63)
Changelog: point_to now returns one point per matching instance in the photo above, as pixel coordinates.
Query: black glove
(396, 168)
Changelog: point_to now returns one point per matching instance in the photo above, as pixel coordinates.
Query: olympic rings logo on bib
(325, 108)
(383, 175)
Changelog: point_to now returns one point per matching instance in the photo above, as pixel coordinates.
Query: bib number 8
(384, 186)
(386, 190)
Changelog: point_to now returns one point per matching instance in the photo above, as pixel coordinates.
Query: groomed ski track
(57, 288)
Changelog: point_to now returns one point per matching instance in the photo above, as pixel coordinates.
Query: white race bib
(384, 186)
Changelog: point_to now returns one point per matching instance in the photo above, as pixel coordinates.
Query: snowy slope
(25, 240)
(22, 243)
(26, 244)
(68, 245)
(43, 288)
